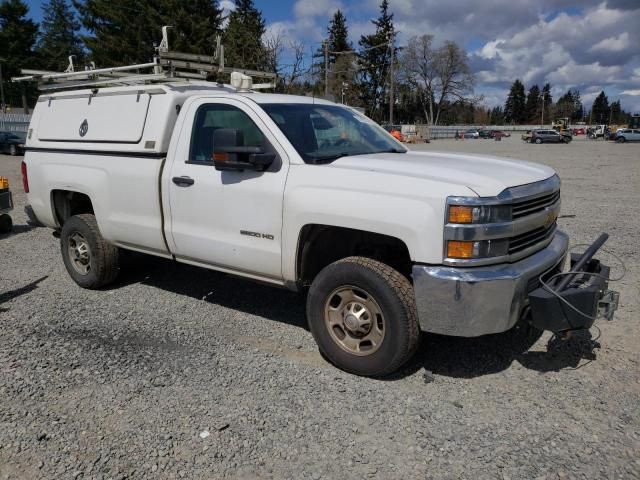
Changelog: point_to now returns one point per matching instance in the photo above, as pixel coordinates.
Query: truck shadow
(213, 287)
(11, 294)
(455, 357)
(490, 354)
(17, 230)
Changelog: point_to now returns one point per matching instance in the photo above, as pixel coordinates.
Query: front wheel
(13, 150)
(620, 139)
(91, 261)
(538, 141)
(363, 317)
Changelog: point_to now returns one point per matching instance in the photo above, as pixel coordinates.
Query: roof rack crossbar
(167, 66)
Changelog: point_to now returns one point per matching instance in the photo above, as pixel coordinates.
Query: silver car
(549, 136)
(627, 135)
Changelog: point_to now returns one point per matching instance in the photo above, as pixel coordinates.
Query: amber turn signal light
(460, 214)
(456, 249)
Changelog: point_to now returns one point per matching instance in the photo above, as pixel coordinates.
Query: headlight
(477, 249)
(479, 214)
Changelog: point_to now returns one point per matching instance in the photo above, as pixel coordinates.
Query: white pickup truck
(296, 192)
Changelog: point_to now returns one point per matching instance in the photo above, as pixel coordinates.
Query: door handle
(183, 181)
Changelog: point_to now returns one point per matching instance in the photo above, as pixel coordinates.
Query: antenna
(164, 44)
(70, 67)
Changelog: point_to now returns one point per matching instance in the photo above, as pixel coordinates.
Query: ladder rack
(166, 67)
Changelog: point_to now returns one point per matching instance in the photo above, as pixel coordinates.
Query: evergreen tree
(337, 41)
(600, 109)
(532, 106)
(59, 37)
(374, 60)
(496, 117)
(577, 114)
(125, 32)
(17, 38)
(547, 99)
(514, 107)
(243, 46)
(616, 114)
(338, 38)
(570, 105)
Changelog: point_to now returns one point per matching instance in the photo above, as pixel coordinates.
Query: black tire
(538, 141)
(6, 224)
(13, 150)
(621, 139)
(391, 291)
(103, 262)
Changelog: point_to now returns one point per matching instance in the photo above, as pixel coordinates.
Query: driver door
(230, 220)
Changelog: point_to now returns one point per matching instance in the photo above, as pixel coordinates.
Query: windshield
(322, 133)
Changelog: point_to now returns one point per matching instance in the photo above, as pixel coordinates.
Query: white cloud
(315, 8)
(613, 44)
(589, 44)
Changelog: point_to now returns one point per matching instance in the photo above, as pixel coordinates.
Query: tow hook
(573, 300)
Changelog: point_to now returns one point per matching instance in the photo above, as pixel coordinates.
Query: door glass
(212, 117)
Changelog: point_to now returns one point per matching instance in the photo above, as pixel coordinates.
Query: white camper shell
(131, 119)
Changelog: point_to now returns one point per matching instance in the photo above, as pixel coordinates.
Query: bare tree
(437, 75)
(281, 50)
(274, 45)
(296, 69)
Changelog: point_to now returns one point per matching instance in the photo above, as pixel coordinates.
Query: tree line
(430, 83)
(537, 107)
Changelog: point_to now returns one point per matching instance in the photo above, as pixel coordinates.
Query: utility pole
(326, 68)
(391, 80)
(542, 116)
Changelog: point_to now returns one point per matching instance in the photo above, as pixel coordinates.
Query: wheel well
(321, 245)
(67, 203)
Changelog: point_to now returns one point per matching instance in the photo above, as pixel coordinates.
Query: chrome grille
(531, 206)
(530, 227)
(533, 237)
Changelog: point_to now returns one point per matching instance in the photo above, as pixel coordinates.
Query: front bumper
(469, 302)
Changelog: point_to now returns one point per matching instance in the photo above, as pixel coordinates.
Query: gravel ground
(177, 372)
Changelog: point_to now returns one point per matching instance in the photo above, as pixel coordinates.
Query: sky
(589, 45)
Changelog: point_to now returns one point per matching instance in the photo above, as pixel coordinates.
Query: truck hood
(486, 176)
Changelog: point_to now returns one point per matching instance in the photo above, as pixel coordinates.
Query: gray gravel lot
(177, 372)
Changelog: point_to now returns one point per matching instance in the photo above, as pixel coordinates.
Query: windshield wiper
(391, 150)
(331, 158)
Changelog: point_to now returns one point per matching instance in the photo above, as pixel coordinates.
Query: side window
(212, 117)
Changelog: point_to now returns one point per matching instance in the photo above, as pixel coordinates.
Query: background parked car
(485, 134)
(12, 143)
(627, 135)
(579, 131)
(471, 133)
(499, 134)
(549, 136)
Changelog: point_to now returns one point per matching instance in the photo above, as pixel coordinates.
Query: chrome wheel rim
(354, 320)
(79, 253)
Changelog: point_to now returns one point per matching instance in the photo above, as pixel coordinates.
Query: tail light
(25, 178)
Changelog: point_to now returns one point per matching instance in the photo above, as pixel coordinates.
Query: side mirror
(229, 152)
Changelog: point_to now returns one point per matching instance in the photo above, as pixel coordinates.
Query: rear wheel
(538, 141)
(362, 315)
(91, 261)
